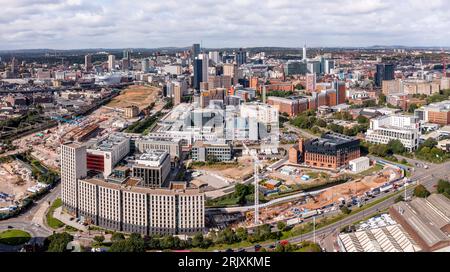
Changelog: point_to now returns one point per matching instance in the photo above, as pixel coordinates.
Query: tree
(227, 236)
(381, 99)
(321, 123)
(421, 191)
(362, 120)
(345, 210)
(117, 236)
(412, 108)
(396, 147)
(242, 234)
(135, 243)
(58, 242)
(443, 187)
(99, 239)
(430, 143)
(399, 199)
(281, 225)
(316, 130)
(197, 240)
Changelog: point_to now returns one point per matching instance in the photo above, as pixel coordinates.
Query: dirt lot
(14, 180)
(141, 96)
(348, 189)
(234, 172)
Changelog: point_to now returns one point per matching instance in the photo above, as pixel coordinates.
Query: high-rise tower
(304, 52)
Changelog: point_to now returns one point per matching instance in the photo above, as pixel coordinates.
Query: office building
(88, 62)
(241, 57)
(435, 113)
(198, 73)
(384, 72)
(230, 69)
(205, 65)
(104, 155)
(395, 127)
(111, 63)
(149, 142)
(195, 50)
(177, 89)
(331, 151)
(145, 65)
(295, 68)
(207, 151)
(214, 56)
(152, 168)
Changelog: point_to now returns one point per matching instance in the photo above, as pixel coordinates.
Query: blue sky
(71, 24)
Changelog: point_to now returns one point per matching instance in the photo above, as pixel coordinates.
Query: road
(302, 132)
(31, 221)
(428, 178)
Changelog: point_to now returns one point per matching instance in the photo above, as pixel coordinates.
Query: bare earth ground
(13, 184)
(141, 96)
(232, 171)
(331, 195)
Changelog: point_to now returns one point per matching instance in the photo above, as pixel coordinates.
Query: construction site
(15, 182)
(136, 95)
(354, 192)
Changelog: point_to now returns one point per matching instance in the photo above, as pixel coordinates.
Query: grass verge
(51, 221)
(14, 237)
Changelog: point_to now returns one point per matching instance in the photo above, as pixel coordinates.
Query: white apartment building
(130, 208)
(73, 167)
(395, 127)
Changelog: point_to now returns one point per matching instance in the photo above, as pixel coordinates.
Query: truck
(293, 221)
(309, 214)
(386, 188)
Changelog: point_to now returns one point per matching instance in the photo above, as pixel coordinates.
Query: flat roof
(132, 185)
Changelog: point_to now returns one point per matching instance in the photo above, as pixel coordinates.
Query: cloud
(65, 24)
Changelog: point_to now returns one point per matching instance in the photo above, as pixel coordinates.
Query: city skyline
(78, 24)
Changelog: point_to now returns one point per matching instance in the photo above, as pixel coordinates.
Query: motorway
(428, 178)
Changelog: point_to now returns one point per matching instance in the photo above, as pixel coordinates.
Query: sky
(78, 24)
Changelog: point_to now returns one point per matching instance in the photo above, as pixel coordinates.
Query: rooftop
(152, 158)
(132, 185)
(386, 239)
(109, 143)
(427, 217)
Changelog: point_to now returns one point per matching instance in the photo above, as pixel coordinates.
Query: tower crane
(258, 165)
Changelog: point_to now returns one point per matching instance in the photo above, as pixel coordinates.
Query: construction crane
(258, 165)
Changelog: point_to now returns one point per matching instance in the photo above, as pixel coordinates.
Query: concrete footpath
(65, 218)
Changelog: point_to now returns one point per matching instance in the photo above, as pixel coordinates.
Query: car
(257, 248)
(10, 227)
(229, 250)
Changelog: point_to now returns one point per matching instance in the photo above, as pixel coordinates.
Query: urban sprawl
(245, 149)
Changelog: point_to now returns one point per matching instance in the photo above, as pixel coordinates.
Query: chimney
(300, 145)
